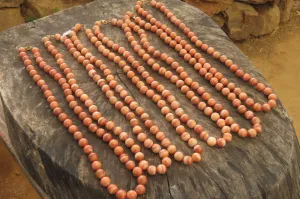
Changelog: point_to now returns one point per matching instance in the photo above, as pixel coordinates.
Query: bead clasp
(104, 22)
(28, 48)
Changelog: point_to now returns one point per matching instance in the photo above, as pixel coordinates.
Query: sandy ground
(277, 56)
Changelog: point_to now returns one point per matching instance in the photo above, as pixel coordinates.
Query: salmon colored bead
(227, 137)
(211, 141)
(105, 181)
(196, 157)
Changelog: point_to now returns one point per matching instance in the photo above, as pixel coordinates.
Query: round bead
(161, 169)
(211, 141)
(151, 170)
(105, 181)
(121, 194)
(140, 189)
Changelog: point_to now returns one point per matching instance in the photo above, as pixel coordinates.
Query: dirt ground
(277, 56)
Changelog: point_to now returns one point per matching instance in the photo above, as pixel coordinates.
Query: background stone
(243, 20)
(267, 21)
(10, 3)
(256, 1)
(10, 17)
(211, 7)
(240, 20)
(41, 8)
(219, 19)
(285, 9)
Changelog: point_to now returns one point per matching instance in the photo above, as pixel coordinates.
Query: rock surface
(285, 9)
(10, 3)
(10, 17)
(242, 20)
(42, 8)
(265, 167)
(211, 7)
(256, 1)
(219, 19)
(267, 21)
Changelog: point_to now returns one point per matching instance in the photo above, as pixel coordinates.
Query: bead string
(242, 109)
(109, 125)
(130, 108)
(185, 83)
(157, 98)
(185, 88)
(110, 94)
(192, 142)
(171, 149)
(210, 51)
(65, 84)
(180, 129)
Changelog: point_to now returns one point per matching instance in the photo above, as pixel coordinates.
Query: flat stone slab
(265, 167)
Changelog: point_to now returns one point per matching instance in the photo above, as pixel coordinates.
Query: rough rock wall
(15, 12)
(243, 18)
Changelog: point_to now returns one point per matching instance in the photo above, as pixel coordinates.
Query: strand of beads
(187, 85)
(210, 74)
(155, 84)
(186, 89)
(110, 125)
(87, 121)
(192, 142)
(163, 93)
(165, 142)
(96, 165)
(217, 55)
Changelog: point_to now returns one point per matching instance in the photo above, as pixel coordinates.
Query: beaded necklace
(147, 85)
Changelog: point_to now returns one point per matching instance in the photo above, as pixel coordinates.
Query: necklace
(105, 181)
(180, 129)
(165, 142)
(181, 43)
(198, 66)
(185, 86)
(121, 99)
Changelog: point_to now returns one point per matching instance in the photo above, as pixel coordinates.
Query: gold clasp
(50, 36)
(104, 22)
(28, 48)
(145, 1)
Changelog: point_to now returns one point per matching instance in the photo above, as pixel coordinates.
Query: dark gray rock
(265, 167)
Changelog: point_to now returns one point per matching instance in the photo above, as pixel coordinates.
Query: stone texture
(285, 7)
(243, 20)
(219, 19)
(10, 17)
(41, 8)
(240, 20)
(211, 7)
(267, 21)
(10, 3)
(256, 1)
(265, 167)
